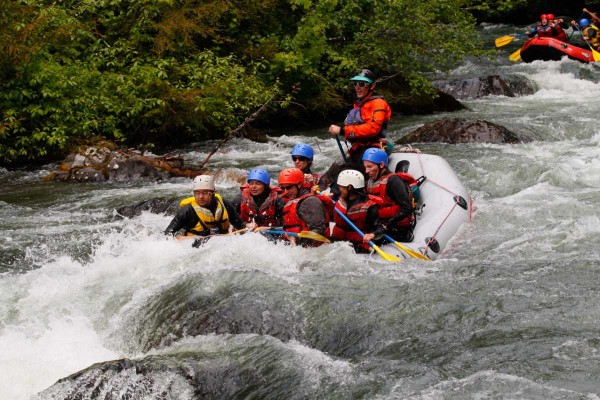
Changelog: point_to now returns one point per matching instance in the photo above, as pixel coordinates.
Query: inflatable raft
(551, 49)
(443, 205)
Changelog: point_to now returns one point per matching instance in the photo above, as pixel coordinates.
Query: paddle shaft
(383, 254)
(337, 138)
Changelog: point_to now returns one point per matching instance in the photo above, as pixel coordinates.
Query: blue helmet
(303, 150)
(376, 156)
(259, 174)
(584, 22)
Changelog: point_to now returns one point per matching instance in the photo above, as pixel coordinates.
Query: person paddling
(303, 211)
(206, 213)
(259, 204)
(361, 210)
(396, 209)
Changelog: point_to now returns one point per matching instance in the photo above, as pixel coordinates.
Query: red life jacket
(263, 215)
(560, 33)
(545, 31)
(388, 208)
(357, 214)
(293, 223)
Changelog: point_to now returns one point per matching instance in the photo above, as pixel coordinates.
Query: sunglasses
(360, 84)
(298, 158)
(286, 187)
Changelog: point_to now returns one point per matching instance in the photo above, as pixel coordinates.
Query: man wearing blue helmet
(589, 33)
(396, 209)
(259, 204)
(302, 156)
(366, 124)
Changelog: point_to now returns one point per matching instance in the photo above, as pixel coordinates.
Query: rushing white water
(510, 313)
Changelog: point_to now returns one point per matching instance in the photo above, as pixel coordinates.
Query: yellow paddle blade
(411, 252)
(596, 55)
(384, 255)
(516, 56)
(504, 40)
(313, 235)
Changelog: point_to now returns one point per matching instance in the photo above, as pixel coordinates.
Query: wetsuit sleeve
(186, 218)
(234, 217)
(312, 211)
(375, 113)
(373, 224)
(397, 190)
(237, 202)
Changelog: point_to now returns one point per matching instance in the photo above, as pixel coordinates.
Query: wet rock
(106, 162)
(461, 130)
(493, 85)
(156, 377)
(156, 206)
(123, 169)
(187, 310)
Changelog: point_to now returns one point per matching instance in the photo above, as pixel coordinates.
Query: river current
(512, 311)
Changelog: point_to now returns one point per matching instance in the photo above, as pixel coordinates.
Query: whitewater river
(511, 312)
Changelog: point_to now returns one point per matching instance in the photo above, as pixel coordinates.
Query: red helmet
(291, 176)
(543, 16)
(550, 17)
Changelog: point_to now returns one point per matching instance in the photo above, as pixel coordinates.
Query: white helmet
(204, 182)
(351, 177)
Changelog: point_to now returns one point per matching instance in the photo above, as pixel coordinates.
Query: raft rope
(432, 239)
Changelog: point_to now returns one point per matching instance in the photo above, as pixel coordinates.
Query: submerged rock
(493, 85)
(461, 130)
(156, 206)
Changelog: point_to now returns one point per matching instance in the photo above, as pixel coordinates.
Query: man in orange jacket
(366, 124)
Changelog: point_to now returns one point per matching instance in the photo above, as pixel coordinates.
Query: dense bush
(166, 71)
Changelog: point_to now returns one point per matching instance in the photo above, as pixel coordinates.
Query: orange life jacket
(263, 215)
(293, 223)
(366, 124)
(387, 207)
(357, 214)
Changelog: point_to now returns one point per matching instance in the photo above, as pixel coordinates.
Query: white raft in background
(443, 207)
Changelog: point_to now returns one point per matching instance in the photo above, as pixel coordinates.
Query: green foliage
(170, 71)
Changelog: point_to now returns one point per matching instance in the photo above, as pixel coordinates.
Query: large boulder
(492, 85)
(461, 130)
(106, 162)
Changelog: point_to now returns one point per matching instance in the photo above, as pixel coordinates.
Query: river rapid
(510, 312)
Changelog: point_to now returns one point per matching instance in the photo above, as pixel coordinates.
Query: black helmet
(365, 75)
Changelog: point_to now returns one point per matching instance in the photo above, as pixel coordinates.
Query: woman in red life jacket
(302, 156)
(396, 210)
(259, 205)
(366, 124)
(548, 28)
(303, 211)
(360, 209)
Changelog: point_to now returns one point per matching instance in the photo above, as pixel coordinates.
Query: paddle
(337, 138)
(504, 40)
(516, 56)
(382, 253)
(304, 234)
(406, 249)
(595, 54)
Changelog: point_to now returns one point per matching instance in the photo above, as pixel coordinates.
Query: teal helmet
(364, 75)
